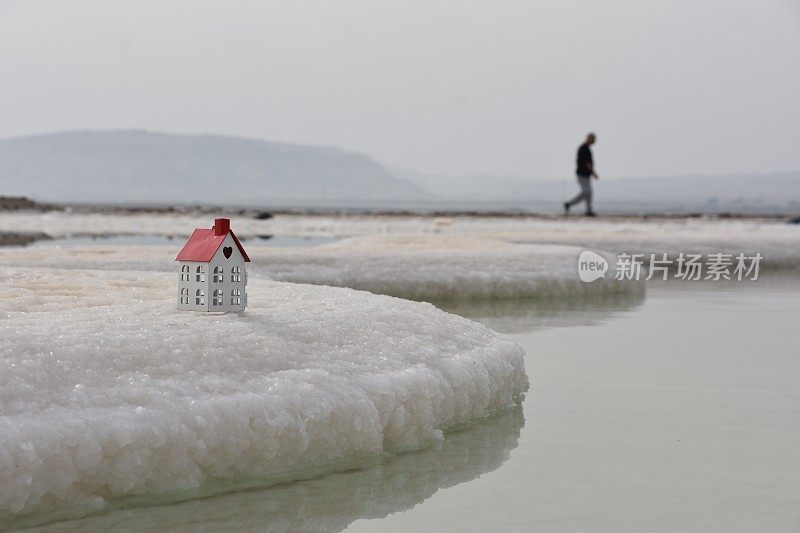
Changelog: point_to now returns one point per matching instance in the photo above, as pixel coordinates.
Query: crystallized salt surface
(439, 268)
(108, 392)
(776, 240)
(416, 267)
(329, 503)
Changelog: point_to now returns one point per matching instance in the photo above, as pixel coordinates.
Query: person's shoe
(566, 208)
(591, 214)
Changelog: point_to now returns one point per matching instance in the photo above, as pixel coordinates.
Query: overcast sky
(674, 86)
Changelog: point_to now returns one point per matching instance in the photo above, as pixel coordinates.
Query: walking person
(584, 172)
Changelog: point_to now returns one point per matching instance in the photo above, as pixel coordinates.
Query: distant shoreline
(19, 203)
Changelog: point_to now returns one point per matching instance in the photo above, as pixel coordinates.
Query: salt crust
(777, 241)
(329, 503)
(107, 392)
(426, 268)
(441, 268)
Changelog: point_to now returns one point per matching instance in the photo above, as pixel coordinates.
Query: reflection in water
(332, 502)
(521, 315)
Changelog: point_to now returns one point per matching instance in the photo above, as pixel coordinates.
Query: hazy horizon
(403, 170)
(137, 166)
(444, 88)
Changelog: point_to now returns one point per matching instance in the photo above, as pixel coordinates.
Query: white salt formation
(776, 240)
(107, 392)
(440, 268)
(329, 503)
(419, 267)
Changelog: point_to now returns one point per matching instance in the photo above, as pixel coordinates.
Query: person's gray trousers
(586, 192)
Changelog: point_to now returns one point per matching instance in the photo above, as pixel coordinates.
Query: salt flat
(108, 393)
(777, 241)
(441, 268)
(416, 267)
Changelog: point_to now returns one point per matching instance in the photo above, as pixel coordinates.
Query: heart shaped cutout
(227, 251)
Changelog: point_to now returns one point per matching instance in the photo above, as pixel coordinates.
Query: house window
(236, 297)
(200, 297)
(236, 274)
(218, 275)
(185, 273)
(216, 297)
(201, 273)
(185, 294)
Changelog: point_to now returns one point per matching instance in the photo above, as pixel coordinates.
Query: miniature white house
(213, 276)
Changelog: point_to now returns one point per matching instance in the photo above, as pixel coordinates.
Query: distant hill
(747, 193)
(141, 167)
(132, 166)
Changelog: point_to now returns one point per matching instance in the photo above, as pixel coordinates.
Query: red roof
(204, 243)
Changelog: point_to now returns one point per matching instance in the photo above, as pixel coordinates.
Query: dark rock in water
(14, 238)
(265, 237)
(263, 215)
(795, 220)
(16, 202)
(22, 203)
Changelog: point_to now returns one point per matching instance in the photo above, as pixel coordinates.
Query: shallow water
(680, 411)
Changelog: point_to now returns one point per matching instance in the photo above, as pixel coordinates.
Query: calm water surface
(678, 411)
